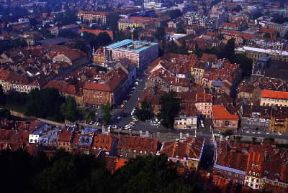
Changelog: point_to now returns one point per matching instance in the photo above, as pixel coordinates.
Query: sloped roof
(219, 112)
(274, 94)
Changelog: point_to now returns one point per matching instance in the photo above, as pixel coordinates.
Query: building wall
(141, 59)
(94, 97)
(254, 182)
(225, 124)
(184, 122)
(64, 145)
(273, 102)
(259, 123)
(93, 17)
(279, 125)
(233, 176)
(245, 95)
(204, 108)
(133, 57)
(197, 73)
(18, 87)
(124, 25)
(257, 55)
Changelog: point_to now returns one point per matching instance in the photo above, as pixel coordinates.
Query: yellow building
(197, 74)
(279, 125)
(137, 22)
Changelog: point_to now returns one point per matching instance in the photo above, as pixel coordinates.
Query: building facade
(140, 53)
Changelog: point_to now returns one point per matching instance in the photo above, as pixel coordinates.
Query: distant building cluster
(35, 136)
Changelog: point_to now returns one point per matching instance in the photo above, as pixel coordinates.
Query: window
(227, 123)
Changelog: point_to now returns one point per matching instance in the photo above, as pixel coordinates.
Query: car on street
(202, 124)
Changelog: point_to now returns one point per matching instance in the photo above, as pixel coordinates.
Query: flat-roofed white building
(256, 53)
(141, 53)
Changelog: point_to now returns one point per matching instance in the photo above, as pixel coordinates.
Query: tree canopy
(170, 107)
(2, 96)
(69, 109)
(102, 39)
(145, 112)
(106, 110)
(44, 103)
(67, 173)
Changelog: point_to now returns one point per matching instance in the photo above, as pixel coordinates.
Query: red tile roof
(72, 54)
(188, 148)
(231, 156)
(102, 13)
(208, 57)
(103, 142)
(274, 94)
(116, 78)
(114, 163)
(4, 74)
(65, 136)
(219, 112)
(138, 143)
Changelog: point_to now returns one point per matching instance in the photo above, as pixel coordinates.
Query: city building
(64, 140)
(273, 98)
(94, 16)
(256, 53)
(109, 89)
(223, 119)
(137, 22)
(186, 151)
(141, 53)
(133, 146)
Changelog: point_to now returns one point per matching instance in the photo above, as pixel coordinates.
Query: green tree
(69, 109)
(67, 33)
(89, 115)
(66, 173)
(69, 17)
(145, 112)
(4, 113)
(44, 103)
(245, 64)
(103, 39)
(180, 28)
(198, 51)
(16, 99)
(160, 34)
(97, 41)
(2, 96)
(120, 35)
(170, 107)
(174, 13)
(286, 36)
(229, 49)
(106, 110)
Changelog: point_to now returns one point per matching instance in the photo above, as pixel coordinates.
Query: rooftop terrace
(131, 45)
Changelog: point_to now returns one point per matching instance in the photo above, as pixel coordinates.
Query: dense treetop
(66, 173)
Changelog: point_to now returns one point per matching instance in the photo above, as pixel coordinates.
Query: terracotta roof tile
(274, 94)
(219, 112)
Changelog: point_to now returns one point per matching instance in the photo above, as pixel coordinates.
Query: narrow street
(207, 159)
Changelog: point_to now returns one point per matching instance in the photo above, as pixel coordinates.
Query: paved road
(208, 155)
(128, 107)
